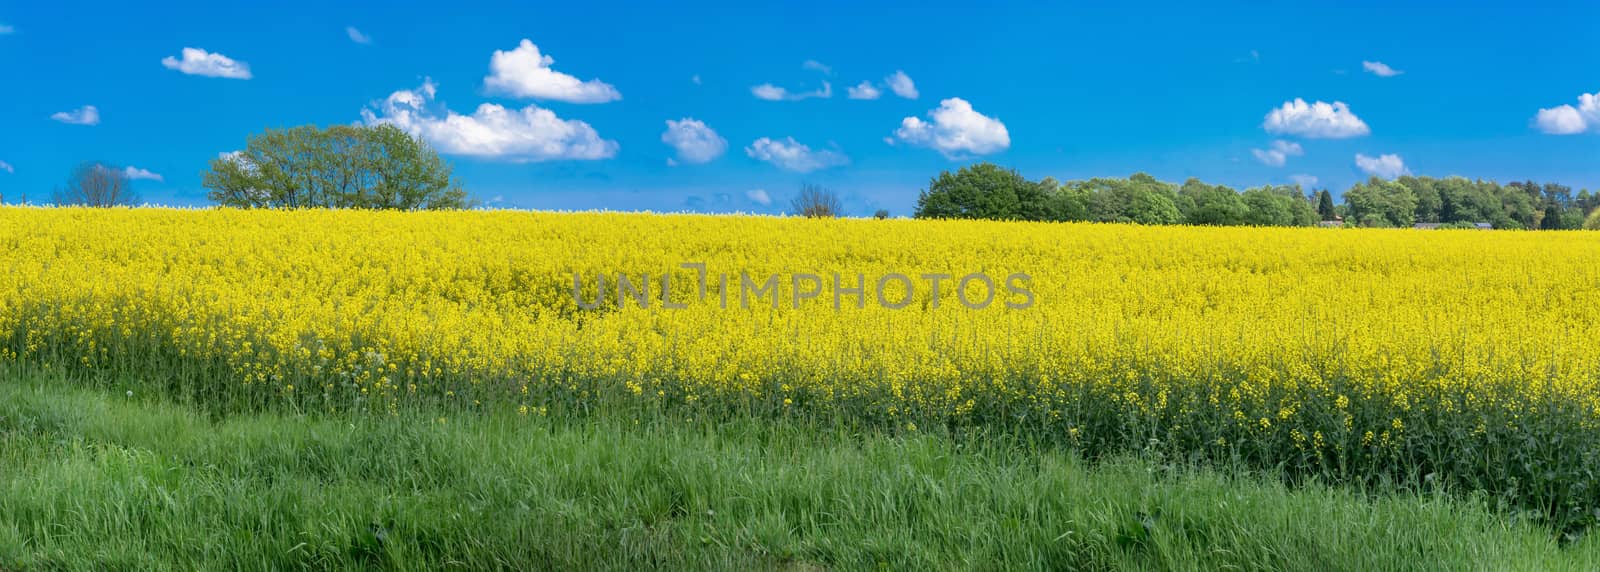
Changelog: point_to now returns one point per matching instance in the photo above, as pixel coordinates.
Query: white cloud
(200, 62)
(759, 196)
(1305, 181)
(86, 115)
(901, 85)
(1279, 153)
(694, 141)
(1569, 120)
(492, 132)
(771, 92)
(1315, 120)
(956, 130)
(136, 174)
(818, 66)
(1380, 69)
(4, 166)
(1386, 166)
(768, 92)
(1560, 120)
(524, 72)
(865, 91)
(356, 35)
(791, 155)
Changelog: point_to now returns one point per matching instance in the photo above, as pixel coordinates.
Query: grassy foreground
(100, 480)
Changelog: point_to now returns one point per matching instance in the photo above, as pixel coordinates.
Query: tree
(1519, 207)
(881, 214)
(983, 191)
(1139, 199)
(1587, 201)
(94, 184)
(1381, 203)
(343, 166)
(1278, 206)
(1551, 219)
(1593, 222)
(1325, 208)
(1429, 201)
(1067, 203)
(814, 201)
(1210, 204)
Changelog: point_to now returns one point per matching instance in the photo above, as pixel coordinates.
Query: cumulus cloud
(865, 91)
(1380, 69)
(1279, 153)
(817, 66)
(955, 130)
(901, 85)
(356, 35)
(200, 62)
(771, 92)
(1317, 120)
(1569, 120)
(694, 141)
(792, 155)
(4, 166)
(86, 115)
(1305, 181)
(1386, 166)
(492, 132)
(759, 196)
(137, 174)
(524, 72)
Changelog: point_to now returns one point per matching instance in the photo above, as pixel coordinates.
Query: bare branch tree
(814, 201)
(95, 184)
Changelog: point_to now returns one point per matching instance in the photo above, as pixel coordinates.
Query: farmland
(1369, 360)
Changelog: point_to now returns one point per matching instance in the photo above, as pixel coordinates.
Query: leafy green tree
(1203, 204)
(343, 166)
(1519, 206)
(1551, 220)
(983, 191)
(1429, 201)
(1572, 218)
(1278, 206)
(1064, 202)
(1140, 199)
(1381, 203)
(1325, 208)
(1593, 222)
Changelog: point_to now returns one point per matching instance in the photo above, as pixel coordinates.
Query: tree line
(383, 167)
(988, 191)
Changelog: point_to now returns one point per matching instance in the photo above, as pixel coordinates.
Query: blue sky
(1484, 90)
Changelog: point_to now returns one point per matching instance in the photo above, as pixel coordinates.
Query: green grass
(91, 479)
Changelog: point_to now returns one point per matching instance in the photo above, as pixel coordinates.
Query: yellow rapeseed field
(1340, 352)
